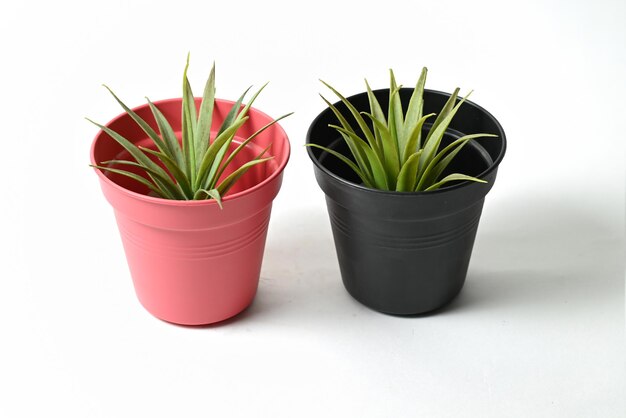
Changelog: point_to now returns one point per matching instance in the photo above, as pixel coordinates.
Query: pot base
(200, 321)
(403, 267)
(418, 313)
(195, 277)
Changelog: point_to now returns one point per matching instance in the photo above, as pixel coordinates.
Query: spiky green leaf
(205, 117)
(173, 146)
(379, 174)
(443, 114)
(407, 178)
(395, 115)
(204, 176)
(136, 153)
(346, 160)
(454, 177)
(241, 146)
(248, 105)
(142, 123)
(359, 120)
(435, 136)
(176, 172)
(135, 177)
(412, 143)
(232, 178)
(415, 110)
(234, 116)
(231, 116)
(444, 158)
(172, 188)
(390, 150)
(189, 121)
(356, 150)
(377, 111)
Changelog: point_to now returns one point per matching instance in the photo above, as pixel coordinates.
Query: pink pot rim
(284, 158)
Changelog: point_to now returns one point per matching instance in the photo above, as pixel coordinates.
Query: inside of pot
(105, 148)
(477, 157)
(253, 176)
(473, 159)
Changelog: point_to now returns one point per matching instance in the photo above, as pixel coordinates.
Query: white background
(538, 330)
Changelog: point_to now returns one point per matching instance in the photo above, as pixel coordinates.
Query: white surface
(538, 330)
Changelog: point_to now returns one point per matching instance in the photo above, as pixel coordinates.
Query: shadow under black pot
(406, 253)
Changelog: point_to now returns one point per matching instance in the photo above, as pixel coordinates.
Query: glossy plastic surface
(193, 263)
(406, 253)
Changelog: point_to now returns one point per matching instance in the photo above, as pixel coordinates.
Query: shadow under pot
(406, 253)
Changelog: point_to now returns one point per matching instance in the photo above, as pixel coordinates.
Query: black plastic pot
(406, 253)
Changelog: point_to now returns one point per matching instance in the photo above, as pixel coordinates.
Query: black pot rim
(492, 167)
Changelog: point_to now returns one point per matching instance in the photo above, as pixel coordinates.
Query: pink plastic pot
(191, 262)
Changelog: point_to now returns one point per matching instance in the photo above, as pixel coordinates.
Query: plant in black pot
(405, 175)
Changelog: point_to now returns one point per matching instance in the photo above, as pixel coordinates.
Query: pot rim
(205, 202)
(492, 167)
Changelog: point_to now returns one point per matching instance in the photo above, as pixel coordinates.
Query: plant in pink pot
(191, 182)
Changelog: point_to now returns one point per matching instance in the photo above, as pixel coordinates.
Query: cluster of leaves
(191, 169)
(395, 155)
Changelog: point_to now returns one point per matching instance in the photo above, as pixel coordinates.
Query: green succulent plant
(191, 169)
(395, 155)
